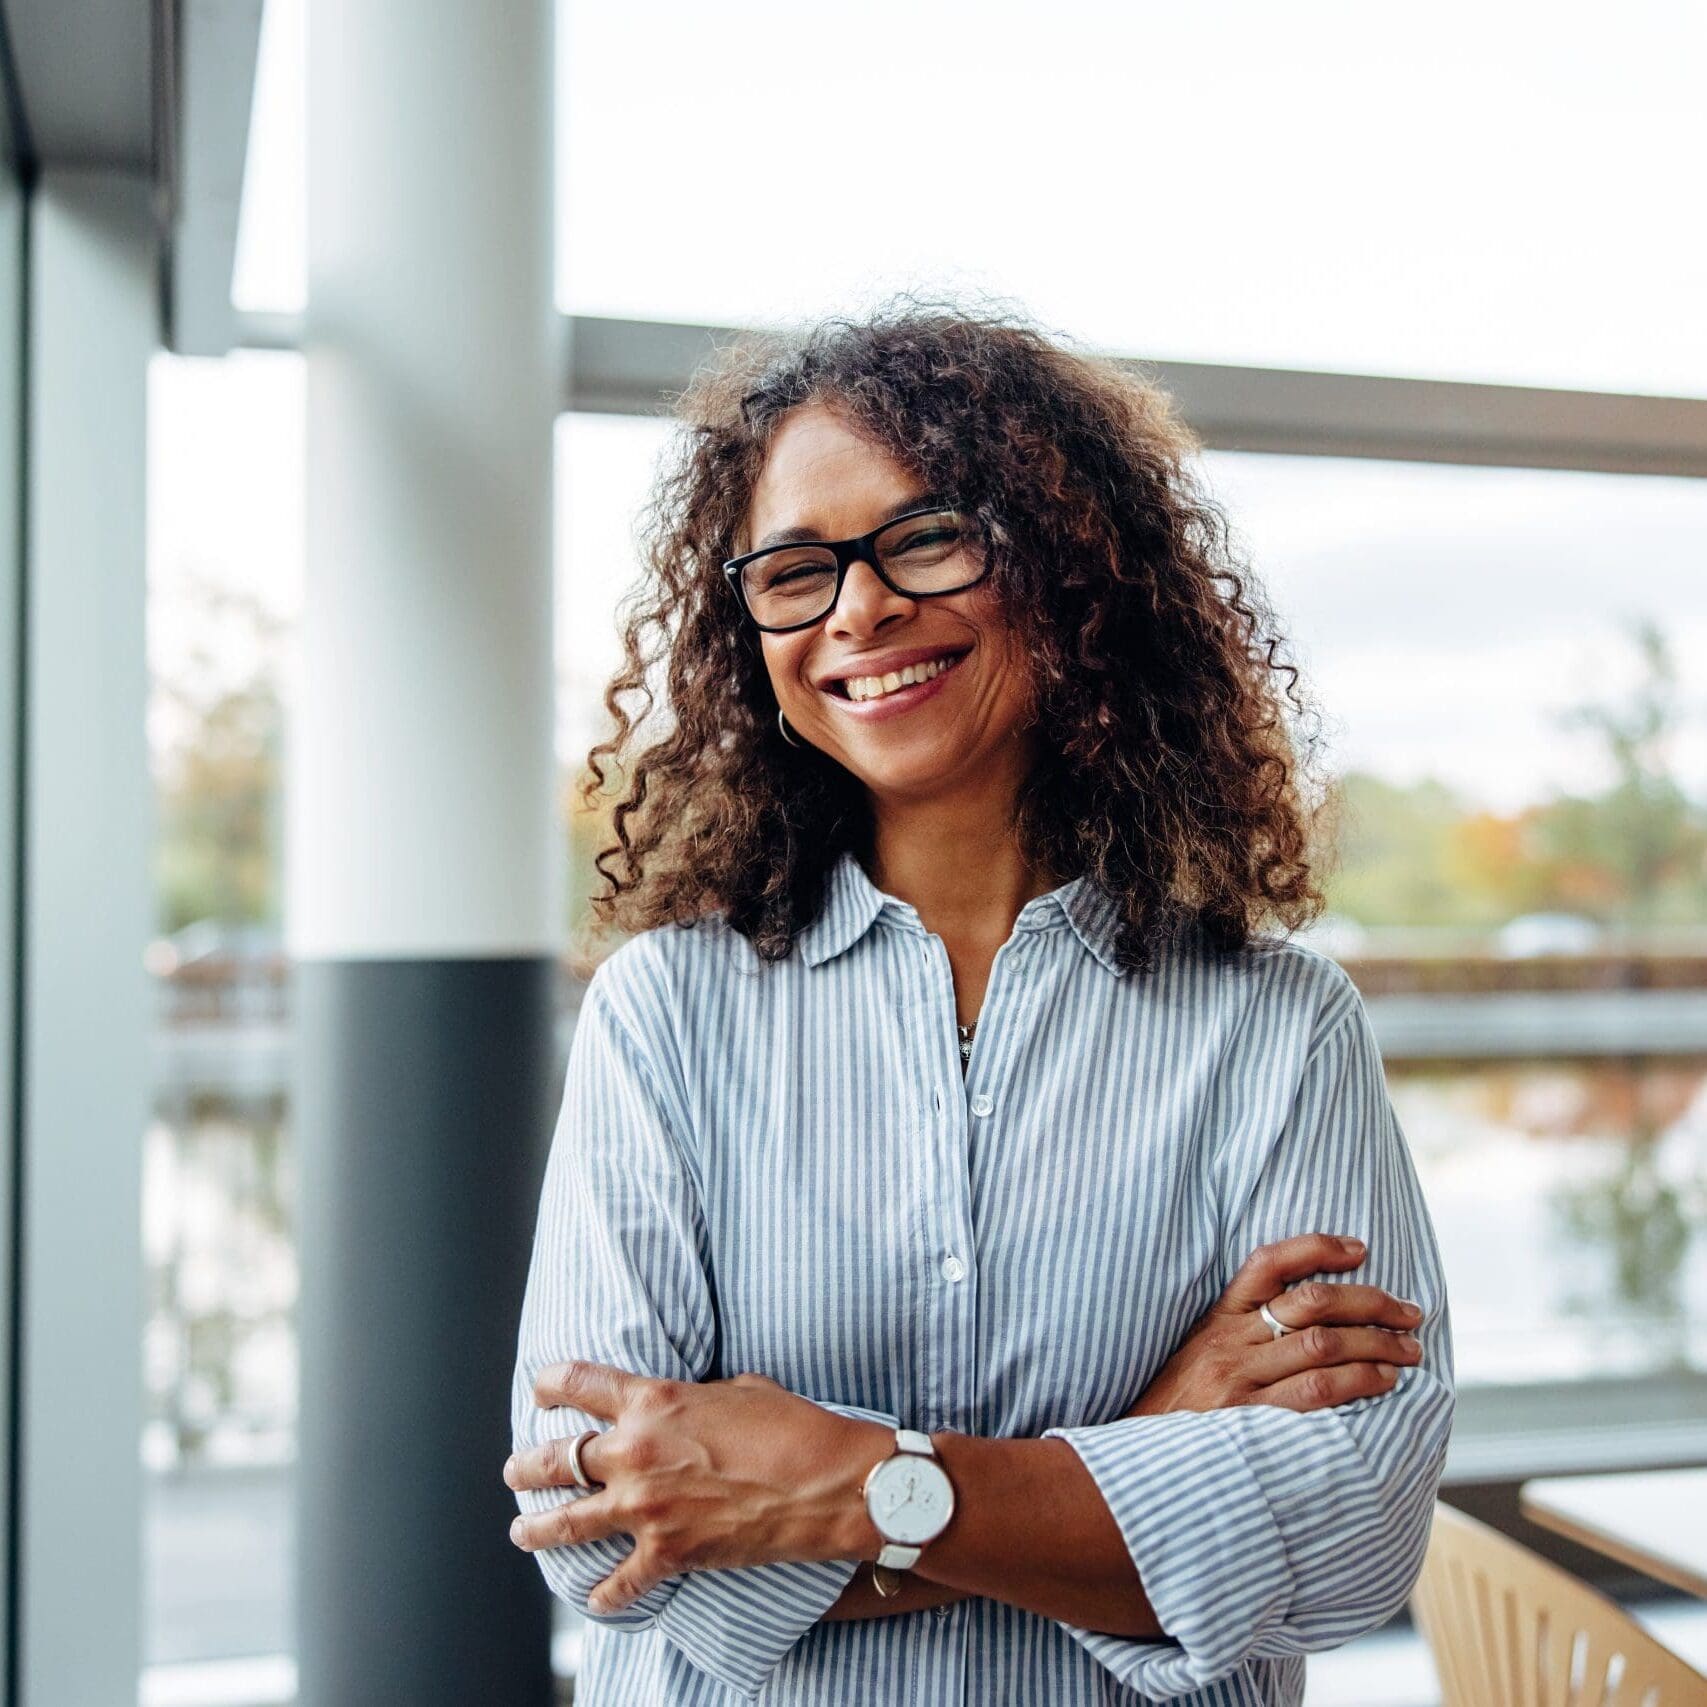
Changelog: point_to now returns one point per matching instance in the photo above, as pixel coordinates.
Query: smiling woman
(1103, 618)
(936, 1158)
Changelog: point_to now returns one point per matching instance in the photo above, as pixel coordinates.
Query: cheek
(784, 664)
(1016, 687)
(1005, 647)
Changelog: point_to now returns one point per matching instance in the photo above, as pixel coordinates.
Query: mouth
(898, 700)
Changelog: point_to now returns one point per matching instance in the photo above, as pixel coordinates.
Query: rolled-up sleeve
(618, 1275)
(1260, 1532)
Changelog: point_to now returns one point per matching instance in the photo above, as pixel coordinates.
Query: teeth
(874, 687)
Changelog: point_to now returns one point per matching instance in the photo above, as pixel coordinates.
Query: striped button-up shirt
(781, 1168)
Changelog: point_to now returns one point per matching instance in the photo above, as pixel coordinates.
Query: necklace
(966, 1032)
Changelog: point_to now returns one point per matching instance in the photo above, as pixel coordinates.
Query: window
(1473, 193)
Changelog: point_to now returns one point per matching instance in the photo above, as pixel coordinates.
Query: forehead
(819, 471)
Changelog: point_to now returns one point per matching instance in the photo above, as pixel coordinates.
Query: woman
(949, 1094)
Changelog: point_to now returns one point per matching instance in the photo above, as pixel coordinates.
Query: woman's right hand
(1349, 1333)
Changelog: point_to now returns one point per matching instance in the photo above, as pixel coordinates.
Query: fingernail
(1387, 1371)
(518, 1532)
(509, 1470)
(1354, 1246)
(1413, 1311)
(1410, 1342)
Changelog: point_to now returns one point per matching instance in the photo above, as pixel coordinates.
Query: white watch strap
(895, 1557)
(914, 1440)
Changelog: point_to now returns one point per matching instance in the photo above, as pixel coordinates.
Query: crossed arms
(1178, 1546)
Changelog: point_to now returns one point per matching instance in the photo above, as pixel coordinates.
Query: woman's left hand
(701, 1474)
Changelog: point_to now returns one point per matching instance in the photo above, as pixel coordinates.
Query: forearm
(1029, 1528)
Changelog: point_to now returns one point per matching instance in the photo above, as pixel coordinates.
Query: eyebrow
(804, 535)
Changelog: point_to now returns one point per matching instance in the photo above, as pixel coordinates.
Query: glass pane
(225, 462)
(1451, 617)
(1473, 192)
(1299, 186)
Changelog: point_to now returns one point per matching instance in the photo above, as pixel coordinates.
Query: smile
(866, 697)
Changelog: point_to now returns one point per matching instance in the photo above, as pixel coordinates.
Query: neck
(957, 861)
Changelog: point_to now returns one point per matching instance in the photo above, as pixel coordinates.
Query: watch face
(910, 1498)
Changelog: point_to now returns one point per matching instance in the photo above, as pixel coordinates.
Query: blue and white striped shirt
(780, 1168)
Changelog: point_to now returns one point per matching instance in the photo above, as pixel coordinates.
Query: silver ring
(575, 1470)
(1276, 1326)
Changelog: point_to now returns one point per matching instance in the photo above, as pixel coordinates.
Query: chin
(921, 781)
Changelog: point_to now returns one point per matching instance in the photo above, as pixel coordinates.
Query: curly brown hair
(1172, 777)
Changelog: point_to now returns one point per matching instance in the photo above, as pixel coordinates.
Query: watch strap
(895, 1557)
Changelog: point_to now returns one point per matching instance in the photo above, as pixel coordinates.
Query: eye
(925, 541)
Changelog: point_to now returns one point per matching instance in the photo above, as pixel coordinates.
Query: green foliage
(1633, 855)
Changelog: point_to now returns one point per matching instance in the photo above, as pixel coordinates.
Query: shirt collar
(853, 903)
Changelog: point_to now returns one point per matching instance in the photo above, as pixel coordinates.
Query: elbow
(572, 1570)
(570, 1579)
(1387, 1517)
(1391, 1558)
(1382, 1588)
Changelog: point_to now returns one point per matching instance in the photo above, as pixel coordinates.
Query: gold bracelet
(886, 1580)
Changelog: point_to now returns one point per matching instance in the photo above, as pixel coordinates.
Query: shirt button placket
(949, 1110)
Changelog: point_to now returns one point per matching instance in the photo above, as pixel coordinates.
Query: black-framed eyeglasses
(922, 554)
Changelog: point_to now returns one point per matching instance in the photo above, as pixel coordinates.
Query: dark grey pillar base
(423, 1115)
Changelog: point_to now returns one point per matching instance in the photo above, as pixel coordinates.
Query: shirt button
(981, 1104)
(941, 1612)
(953, 1268)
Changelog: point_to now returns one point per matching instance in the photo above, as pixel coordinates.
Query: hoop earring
(784, 728)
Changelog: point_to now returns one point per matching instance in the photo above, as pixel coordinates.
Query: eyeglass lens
(920, 554)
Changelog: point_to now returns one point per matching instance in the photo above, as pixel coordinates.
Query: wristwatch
(910, 1500)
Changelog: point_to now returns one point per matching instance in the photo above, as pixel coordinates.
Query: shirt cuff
(738, 1624)
(1197, 1522)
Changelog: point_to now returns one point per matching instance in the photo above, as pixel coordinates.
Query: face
(963, 729)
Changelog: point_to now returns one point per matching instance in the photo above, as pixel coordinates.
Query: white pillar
(422, 792)
(423, 852)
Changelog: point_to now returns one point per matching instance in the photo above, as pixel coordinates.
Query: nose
(864, 599)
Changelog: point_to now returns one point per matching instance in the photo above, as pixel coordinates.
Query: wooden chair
(1508, 1628)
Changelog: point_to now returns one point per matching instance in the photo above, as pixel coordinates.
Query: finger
(597, 1388)
(567, 1525)
(1322, 1345)
(1270, 1268)
(547, 1465)
(635, 1576)
(1341, 1301)
(1337, 1384)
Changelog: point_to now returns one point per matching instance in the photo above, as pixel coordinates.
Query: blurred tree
(1635, 855)
(1394, 846)
(217, 728)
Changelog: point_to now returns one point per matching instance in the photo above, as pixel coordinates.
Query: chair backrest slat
(1507, 1628)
